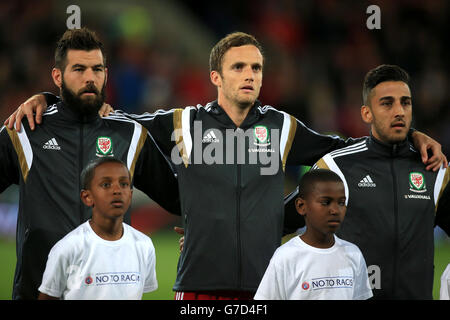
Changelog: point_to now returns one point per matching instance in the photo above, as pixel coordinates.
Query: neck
(318, 240)
(107, 229)
(237, 113)
(385, 141)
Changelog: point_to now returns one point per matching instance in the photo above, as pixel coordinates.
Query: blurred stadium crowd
(317, 53)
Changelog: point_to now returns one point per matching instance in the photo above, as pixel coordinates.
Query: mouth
(89, 90)
(117, 203)
(399, 124)
(247, 88)
(89, 93)
(334, 222)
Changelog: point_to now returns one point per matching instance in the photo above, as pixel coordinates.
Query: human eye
(238, 66)
(257, 67)
(105, 184)
(406, 102)
(78, 68)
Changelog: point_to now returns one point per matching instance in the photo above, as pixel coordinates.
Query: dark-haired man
(230, 157)
(393, 201)
(46, 163)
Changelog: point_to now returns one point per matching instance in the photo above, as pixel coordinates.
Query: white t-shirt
(83, 266)
(298, 271)
(445, 284)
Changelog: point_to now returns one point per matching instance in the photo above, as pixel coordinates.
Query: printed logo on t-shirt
(329, 283)
(112, 278)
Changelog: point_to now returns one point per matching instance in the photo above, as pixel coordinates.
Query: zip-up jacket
(46, 164)
(231, 182)
(393, 204)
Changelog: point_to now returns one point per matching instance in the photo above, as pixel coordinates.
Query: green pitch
(167, 253)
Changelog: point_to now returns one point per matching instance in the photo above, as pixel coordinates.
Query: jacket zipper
(238, 225)
(80, 168)
(238, 216)
(396, 231)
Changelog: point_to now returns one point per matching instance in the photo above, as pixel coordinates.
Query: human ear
(86, 197)
(106, 75)
(57, 77)
(300, 205)
(366, 114)
(216, 78)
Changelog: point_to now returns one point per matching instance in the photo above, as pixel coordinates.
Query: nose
(249, 74)
(89, 76)
(116, 189)
(334, 209)
(399, 111)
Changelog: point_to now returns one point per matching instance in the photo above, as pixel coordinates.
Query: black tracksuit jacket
(231, 184)
(46, 163)
(393, 206)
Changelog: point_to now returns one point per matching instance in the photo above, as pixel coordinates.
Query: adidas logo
(51, 145)
(210, 137)
(367, 182)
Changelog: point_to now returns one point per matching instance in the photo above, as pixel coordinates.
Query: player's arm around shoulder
(308, 145)
(9, 164)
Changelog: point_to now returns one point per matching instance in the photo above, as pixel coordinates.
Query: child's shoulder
(137, 235)
(292, 245)
(72, 240)
(347, 245)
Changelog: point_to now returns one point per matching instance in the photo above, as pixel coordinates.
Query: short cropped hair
(312, 177)
(88, 173)
(382, 73)
(76, 39)
(235, 39)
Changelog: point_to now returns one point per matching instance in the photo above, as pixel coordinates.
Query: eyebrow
(78, 65)
(330, 197)
(241, 63)
(111, 178)
(392, 98)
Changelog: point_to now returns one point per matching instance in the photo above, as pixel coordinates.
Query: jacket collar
(387, 149)
(217, 111)
(69, 114)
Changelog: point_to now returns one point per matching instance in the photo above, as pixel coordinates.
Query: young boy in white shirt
(317, 265)
(103, 258)
(444, 292)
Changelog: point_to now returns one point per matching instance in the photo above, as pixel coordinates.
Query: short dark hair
(76, 39)
(235, 39)
(312, 177)
(87, 175)
(382, 73)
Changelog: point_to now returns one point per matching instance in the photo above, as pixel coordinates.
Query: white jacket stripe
(334, 167)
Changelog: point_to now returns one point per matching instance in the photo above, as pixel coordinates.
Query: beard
(83, 106)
